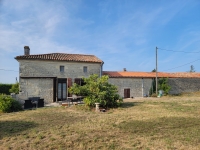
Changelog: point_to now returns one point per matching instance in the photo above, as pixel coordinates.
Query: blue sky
(123, 33)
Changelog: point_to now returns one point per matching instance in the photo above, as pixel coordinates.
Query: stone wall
(37, 87)
(181, 85)
(52, 69)
(138, 86)
(178, 85)
(32, 73)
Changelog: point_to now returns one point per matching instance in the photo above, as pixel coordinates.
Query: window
(85, 69)
(62, 68)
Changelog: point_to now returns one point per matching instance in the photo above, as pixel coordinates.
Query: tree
(14, 88)
(153, 87)
(97, 90)
(162, 85)
(192, 68)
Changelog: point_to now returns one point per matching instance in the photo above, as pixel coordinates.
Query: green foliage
(4, 88)
(78, 90)
(153, 87)
(162, 85)
(75, 89)
(14, 88)
(97, 90)
(8, 104)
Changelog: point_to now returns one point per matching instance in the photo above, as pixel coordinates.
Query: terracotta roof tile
(126, 74)
(61, 57)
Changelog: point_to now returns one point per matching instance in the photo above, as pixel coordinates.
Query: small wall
(181, 85)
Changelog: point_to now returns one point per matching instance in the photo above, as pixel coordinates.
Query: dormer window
(62, 68)
(85, 69)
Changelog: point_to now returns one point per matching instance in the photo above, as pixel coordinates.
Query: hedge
(4, 88)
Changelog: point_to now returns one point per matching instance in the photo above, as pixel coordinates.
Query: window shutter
(77, 81)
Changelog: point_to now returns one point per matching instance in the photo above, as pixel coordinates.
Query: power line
(182, 65)
(177, 51)
(9, 70)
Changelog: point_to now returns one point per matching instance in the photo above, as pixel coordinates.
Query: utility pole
(156, 71)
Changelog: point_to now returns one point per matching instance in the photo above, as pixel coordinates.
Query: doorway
(62, 89)
(126, 93)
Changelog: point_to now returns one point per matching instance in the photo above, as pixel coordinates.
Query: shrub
(97, 90)
(14, 88)
(163, 85)
(8, 104)
(4, 88)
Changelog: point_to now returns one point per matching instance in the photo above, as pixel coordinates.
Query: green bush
(162, 85)
(8, 104)
(14, 88)
(97, 90)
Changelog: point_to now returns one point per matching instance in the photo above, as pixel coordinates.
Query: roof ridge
(61, 53)
(64, 54)
(62, 57)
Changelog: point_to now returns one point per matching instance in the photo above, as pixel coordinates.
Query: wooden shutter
(69, 81)
(77, 81)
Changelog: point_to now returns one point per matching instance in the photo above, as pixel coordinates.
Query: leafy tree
(153, 87)
(97, 90)
(163, 85)
(14, 88)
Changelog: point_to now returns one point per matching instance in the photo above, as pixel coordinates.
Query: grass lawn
(145, 123)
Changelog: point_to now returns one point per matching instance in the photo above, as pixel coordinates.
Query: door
(126, 93)
(62, 89)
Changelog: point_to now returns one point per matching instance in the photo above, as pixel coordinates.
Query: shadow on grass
(177, 128)
(130, 104)
(10, 128)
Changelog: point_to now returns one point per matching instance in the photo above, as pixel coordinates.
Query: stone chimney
(26, 50)
(124, 69)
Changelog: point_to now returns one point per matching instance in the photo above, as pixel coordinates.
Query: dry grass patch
(147, 123)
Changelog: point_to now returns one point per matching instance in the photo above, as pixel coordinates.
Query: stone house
(49, 75)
